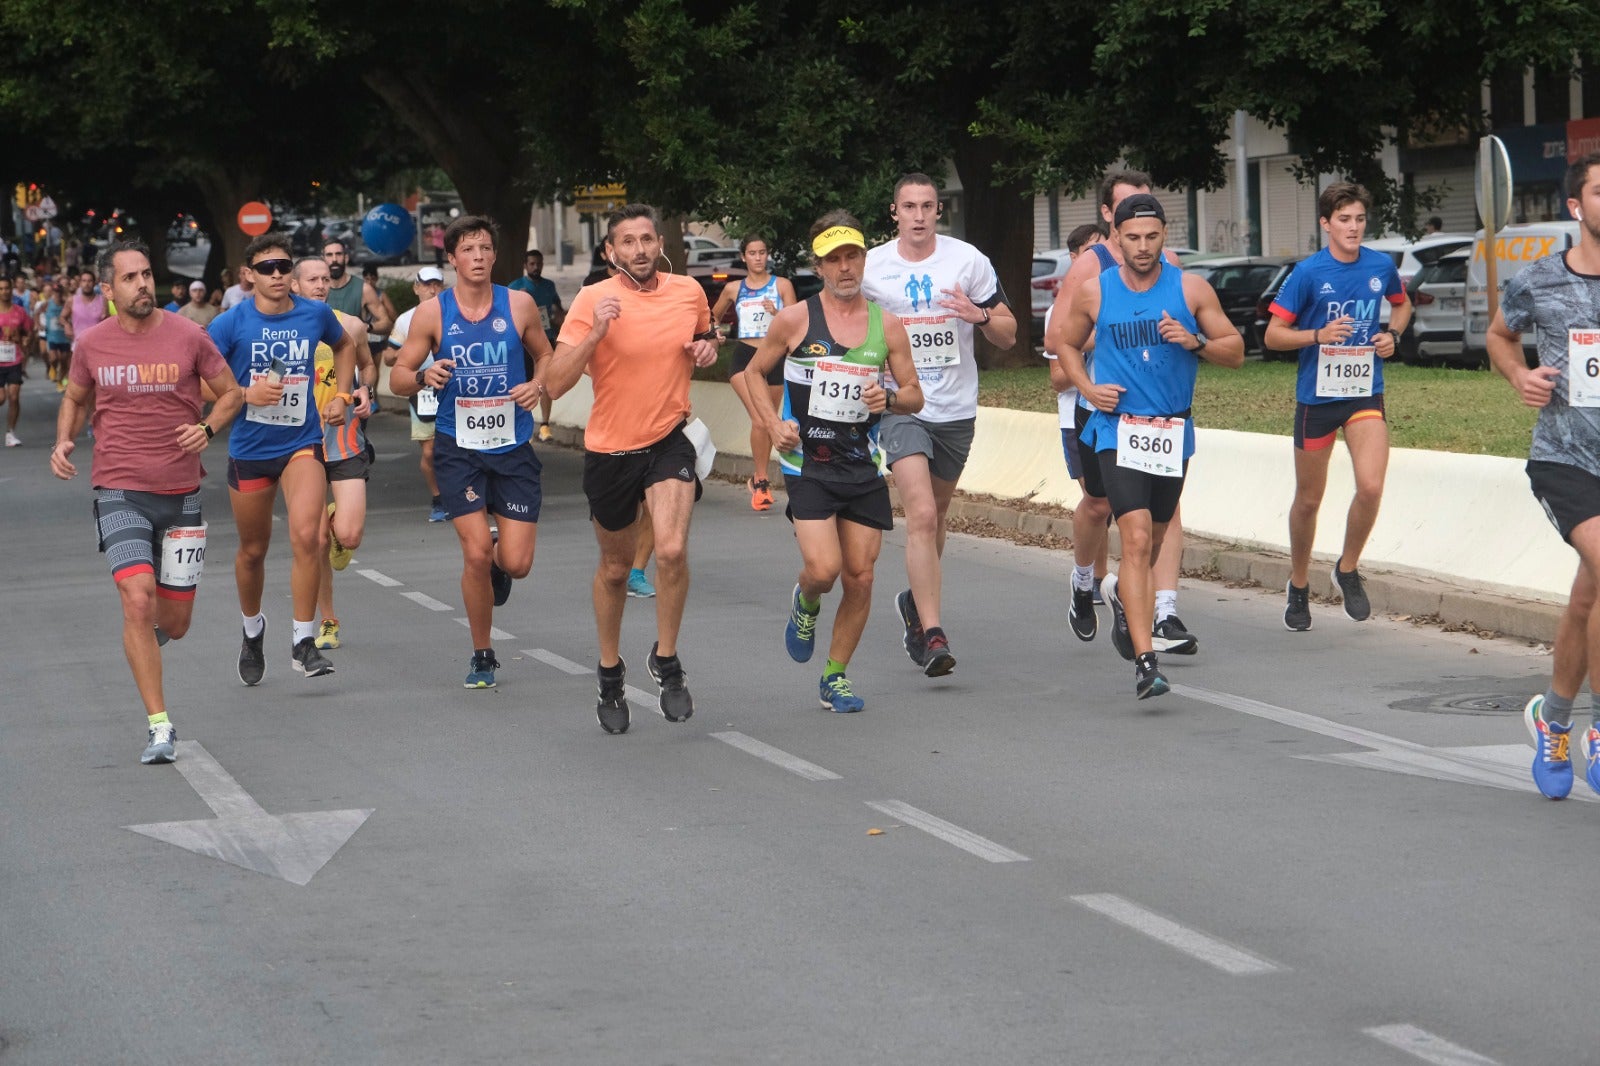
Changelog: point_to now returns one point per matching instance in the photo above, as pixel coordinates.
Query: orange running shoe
(760, 495)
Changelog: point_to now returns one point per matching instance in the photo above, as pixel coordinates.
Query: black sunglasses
(273, 266)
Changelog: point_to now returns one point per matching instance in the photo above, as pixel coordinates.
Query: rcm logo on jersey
(1360, 310)
(479, 353)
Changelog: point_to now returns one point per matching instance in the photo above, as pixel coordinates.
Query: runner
(377, 312)
(346, 451)
(1092, 516)
(833, 349)
(1328, 309)
(1558, 297)
(755, 298)
(1152, 324)
(943, 290)
(346, 292)
(16, 328)
(424, 404)
(270, 342)
(639, 335)
(482, 446)
(87, 308)
(551, 313)
(143, 374)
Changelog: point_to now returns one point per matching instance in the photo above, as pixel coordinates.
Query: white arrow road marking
(1495, 765)
(1427, 1047)
(291, 846)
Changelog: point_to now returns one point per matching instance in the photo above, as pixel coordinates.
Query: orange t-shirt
(640, 370)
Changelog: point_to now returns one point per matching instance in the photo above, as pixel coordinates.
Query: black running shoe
(1099, 595)
(309, 660)
(1121, 638)
(1171, 637)
(1354, 591)
(1081, 614)
(937, 659)
(499, 580)
(1147, 678)
(612, 706)
(1297, 612)
(914, 641)
(675, 702)
(252, 659)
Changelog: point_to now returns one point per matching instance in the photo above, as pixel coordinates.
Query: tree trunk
(672, 243)
(484, 161)
(224, 192)
(1000, 223)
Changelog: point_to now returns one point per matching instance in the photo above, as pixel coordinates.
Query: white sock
(303, 630)
(1083, 576)
(1166, 604)
(254, 624)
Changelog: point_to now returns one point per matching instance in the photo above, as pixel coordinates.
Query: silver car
(1439, 296)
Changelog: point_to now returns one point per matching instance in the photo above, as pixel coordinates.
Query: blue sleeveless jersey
(488, 358)
(1159, 376)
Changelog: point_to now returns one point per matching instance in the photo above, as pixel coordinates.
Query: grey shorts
(131, 525)
(946, 444)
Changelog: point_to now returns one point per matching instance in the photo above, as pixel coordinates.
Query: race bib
(544, 318)
(183, 556)
(1153, 445)
(428, 403)
(290, 410)
(1346, 369)
(483, 423)
(754, 321)
(836, 390)
(8, 352)
(933, 343)
(1583, 367)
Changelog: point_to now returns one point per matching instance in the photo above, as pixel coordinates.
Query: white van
(1518, 246)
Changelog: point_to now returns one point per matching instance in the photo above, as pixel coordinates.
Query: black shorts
(1088, 462)
(615, 481)
(131, 526)
(355, 468)
(507, 483)
(866, 503)
(1135, 490)
(743, 353)
(1317, 424)
(64, 348)
(11, 375)
(1570, 495)
(255, 475)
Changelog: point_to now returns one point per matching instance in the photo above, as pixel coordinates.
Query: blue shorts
(507, 483)
(1069, 448)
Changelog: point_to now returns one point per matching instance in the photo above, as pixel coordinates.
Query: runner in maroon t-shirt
(15, 325)
(143, 372)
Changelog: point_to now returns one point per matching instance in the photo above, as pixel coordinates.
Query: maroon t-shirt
(145, 386)
(14, 326)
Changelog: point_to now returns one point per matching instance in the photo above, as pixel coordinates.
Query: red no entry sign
(255, 218)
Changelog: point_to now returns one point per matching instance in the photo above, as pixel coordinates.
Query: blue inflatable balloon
(388, 230)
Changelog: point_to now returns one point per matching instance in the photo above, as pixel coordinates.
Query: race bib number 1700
(183, 556)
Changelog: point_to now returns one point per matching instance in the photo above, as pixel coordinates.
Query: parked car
(1409, 258)
(1263, 313)
(1048, 270)
(1240, 281)
(712, 278)
(712, 256)
(1516, 247)
(184, 230)
(341, 229)
(1439, 294)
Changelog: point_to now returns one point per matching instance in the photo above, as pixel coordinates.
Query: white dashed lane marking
(1421, 1044)
(776, 756)
(381, 579)
(427, 601)
(948, 832)
(1193, 943)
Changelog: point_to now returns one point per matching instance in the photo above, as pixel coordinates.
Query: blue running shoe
(481, 674)
(1591, 752)
(800, 632)
(639, 586)
(835, 695)
(437, 513)
(163, 744)
(1552, 765)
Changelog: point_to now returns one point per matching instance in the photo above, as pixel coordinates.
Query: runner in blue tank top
(1150, 322)
(482, 454)
(1328, 309)
(754, 300)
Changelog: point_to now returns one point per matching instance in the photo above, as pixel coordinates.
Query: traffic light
(22, 195)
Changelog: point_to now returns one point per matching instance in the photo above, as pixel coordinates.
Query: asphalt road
(1322, 849)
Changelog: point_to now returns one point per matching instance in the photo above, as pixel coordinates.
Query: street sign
(1494, 184)
(255, 218)
(594, 199)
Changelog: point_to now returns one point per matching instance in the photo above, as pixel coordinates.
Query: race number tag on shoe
(1346, 370)
(836, 391)
(754, 320)
(183, 556)
(486, 422)
(933, 342)
(1153, 445)
(1583, 367)
(427, 402)
(290, 410)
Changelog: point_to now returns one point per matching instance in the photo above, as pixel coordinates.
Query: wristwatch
(1201, 337)
(209, 431)
(984, 321)
(422, 379)
(889, 397)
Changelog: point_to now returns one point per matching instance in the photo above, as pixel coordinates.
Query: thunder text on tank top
(475, 405)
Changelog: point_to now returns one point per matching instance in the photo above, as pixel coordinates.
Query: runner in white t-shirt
(944, 290)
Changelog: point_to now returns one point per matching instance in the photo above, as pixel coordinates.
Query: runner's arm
(1071, 337)
(725, 298)
(908, 398)
(785, 331)
(1535, 386)
(378, 306)
(1081, 270)
(1223, 345)
(569, 361)
(421, 338)
(69, 423)
(228, 399)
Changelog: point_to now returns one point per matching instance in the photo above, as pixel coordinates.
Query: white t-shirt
(232, 295)
(941, 343)
(1067, 398)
